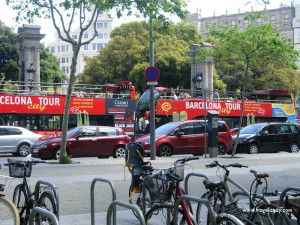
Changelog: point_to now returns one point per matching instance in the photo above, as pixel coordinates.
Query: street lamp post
(30, 70)
(197, 80)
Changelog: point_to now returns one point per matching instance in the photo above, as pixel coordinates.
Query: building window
(67, 48)
(100, 36)
(74, 37)
(99, 46)
(246, 22)
(105, 35)
(233, 23)
(101, 25)
(94, 46)
(85, 35)
(63, 60)
(272, 18)
(100, 12)
(259, 20)
(286, 17)
(58, 48)
(298, 35)
(63, 48)
(52, 49)
(67, 59)
(86, 47)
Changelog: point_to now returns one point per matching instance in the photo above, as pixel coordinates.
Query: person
(182, 95)
(216, 95)
(174, 96)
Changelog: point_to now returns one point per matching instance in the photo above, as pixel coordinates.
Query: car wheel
(222, 150)
(119, 152)
(253, 149)
(165, 150)
(56, 153)
(294, 148)
(23, 149)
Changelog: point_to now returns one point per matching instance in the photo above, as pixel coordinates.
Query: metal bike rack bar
(112, 208)
(44, 212)
(93, 198)
(53, 190)
(188, 177)
(281, 198)
(193, 199)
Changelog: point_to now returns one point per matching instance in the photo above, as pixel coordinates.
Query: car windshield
(251, 129)
(73, 131)
(166, 128)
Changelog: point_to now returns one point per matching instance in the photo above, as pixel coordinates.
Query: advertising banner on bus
(49, 105)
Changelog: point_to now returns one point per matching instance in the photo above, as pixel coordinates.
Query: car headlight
(43, 146)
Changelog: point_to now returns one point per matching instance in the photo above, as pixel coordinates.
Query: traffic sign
(152, 83)
(152, 74)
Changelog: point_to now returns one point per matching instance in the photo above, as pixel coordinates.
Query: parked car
(186, 137)
(268, 137)
(85, 141)
(17, 140)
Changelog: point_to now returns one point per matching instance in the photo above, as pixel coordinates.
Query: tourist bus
(259, 106)
(39, 107)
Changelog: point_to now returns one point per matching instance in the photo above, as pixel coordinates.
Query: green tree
(66, 14)
(9, 56)
(127, 55)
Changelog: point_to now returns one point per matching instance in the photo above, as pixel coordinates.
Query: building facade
(63, 51)
(286, 20)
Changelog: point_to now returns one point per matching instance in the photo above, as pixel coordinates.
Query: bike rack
(112, 208)
(50, 215)
(93, 198)
(281, 198)
(188, 177)
(194, 199)
(53, 190)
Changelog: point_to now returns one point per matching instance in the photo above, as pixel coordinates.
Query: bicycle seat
(258, 174)
(212, 184)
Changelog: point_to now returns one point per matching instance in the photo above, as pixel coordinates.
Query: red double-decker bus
(40, 106)
(259, 106)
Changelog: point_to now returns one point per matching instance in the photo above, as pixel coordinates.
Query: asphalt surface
(74, 181)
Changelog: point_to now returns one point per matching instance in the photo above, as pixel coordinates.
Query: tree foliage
(127, 55)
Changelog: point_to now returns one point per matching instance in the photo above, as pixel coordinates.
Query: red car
(85, 141)
(186, 137)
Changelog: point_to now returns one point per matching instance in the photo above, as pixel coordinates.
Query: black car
(268, 137)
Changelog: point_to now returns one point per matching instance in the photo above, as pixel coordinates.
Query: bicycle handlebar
(216, 163)
(33, 162)
(186, 159)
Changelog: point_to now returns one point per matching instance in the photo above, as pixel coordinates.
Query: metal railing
(112, 208)
(93, 198)
(43, 212)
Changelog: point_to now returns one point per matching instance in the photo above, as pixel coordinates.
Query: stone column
(29, 38)
(205, 68)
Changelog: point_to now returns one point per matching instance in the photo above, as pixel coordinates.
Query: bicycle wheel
(135, 198)
(20, 201)
(46, 201)
(227, 219)
(162, 214)
(270, 218)
(8, 212)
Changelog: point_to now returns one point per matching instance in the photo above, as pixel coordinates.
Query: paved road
(74, 181)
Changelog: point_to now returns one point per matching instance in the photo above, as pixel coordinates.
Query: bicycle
(260, 211)
(24, 199)
(8, 212)
(164, 189)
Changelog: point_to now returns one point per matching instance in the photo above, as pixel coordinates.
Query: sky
(206, 8)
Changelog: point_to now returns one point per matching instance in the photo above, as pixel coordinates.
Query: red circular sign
(152, 74)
